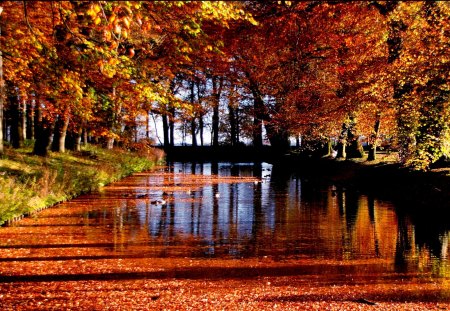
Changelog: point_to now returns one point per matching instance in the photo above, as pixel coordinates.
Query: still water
(233, 211)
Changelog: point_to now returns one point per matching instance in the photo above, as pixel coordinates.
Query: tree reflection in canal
(240, 210)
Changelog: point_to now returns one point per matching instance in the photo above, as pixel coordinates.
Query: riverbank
(31, 183)
(384, 178)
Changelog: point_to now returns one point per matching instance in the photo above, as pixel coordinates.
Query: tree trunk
(259, 112)
(165, 123)
(78, 135)
(278, 137)
(373, 139)
(30, 120)
(232, 120)
(24, 118)
(71, 141)
(201, 125)
(16, 121)
(238, 127)
(194, 132)
(327, 148)
(56, 135)
(217, 90)
(193, 122)
(63, 133)
(85, 137)
(110, 143)
(115, 122)
(172, 126)
(147, 125)
(257, 125)
(355, 149)
(43, 138)
(342, 143)
(171, 110)
(60, 132)
(43, 131)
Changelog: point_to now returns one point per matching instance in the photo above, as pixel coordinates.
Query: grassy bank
(29, 183)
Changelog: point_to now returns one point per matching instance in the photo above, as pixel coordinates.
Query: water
(232, 211)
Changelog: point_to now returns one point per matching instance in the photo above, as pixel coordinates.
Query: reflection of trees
(257, 220)
(403, 246)
(233, 219)
(257, 170)
(370, 231)
(284, 217)
(214, 168)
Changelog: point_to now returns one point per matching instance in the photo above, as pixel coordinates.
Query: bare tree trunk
(165, 130)
(354, 146)
(172, 126)
(194, 132)
(217, 90)
(115, 120)
(258, 112)
(193, 122)
(24, 118)
(342, 143)
(373, 139)
(77, 146)
(201, 125)
(43, 131)
(63, 133)
(30, 120)
(232, 120)
(147, 125)
(238, 126)
(85, 137)
(16, 121)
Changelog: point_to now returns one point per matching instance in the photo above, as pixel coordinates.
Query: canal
(233, 221)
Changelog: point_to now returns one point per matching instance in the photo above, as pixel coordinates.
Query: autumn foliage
(78, 72)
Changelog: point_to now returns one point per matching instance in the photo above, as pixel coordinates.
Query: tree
(422, 90)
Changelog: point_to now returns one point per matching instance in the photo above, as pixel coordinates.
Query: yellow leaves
(186, 49)
(91, 13)
(94, 11)
(97, 20)
(96, 8)
(126, 22)
(223, 11)
(113, 61)
(287, 3)
(107, 35)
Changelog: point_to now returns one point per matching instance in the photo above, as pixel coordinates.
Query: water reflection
(240, 210)
(277, 217)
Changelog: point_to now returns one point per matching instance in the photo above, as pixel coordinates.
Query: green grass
(29, 183)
